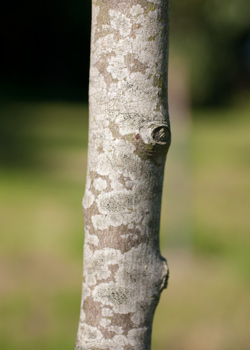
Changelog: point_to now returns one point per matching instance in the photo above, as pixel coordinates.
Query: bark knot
(165, 274)
(161, 134)
(152, 143)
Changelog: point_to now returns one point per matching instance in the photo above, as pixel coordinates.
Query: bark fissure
(129, 137)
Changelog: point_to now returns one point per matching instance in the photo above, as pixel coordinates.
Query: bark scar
(152, 142)
(165, 274)
(161, 134)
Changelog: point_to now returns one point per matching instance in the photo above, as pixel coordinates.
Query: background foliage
(45, 48)
(213, 37)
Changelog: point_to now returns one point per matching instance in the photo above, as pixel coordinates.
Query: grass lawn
(204, 231)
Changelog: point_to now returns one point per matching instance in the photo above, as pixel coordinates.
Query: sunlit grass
(204, 230)
(222, 184)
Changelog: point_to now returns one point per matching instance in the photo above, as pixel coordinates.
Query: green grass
(204, 229)
(207, 303)
(222, 184)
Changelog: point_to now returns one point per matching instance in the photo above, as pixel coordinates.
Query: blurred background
(205, 223)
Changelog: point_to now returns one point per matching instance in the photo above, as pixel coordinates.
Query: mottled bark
(129, 136)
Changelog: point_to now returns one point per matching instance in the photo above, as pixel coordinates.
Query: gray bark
(129, 136)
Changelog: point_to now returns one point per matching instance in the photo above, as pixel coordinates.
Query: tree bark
(129, 136)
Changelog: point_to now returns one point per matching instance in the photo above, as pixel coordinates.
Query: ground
(204, 232)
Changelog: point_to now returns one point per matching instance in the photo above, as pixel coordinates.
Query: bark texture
(129, 136)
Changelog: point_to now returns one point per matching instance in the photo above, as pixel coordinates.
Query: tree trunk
(129, 136)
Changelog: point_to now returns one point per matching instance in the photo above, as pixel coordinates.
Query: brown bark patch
(94, 176)
(107, 334)
(93, 311)
(134, 65)
(111, 238)
(126, 182)
(124, 321)
(128, 347)
(113, 269)
(102, 66)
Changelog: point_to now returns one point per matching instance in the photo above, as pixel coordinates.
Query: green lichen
(114, 129)
(158, 81)
(152, 37)
(158, 107)
(100, 149)
(150, 7)
(130, 138)
(163, 91)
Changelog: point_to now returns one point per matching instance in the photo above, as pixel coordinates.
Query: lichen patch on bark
(129, 136)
